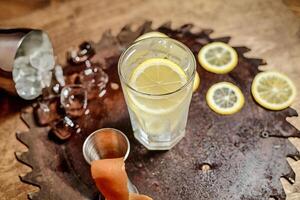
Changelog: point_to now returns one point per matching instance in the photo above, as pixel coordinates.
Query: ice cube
(24, 71)
(64, 128)
(42, 60)
(74, 100)
(21, 61)
(82, 55)
(47, 111)
(45, 78)
(59, 75)
(31, 77)
(28, 90)
(88, 72)
(94, 80)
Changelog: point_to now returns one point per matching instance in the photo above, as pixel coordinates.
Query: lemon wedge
(218, 57)
(273, 90)
(225, 98)
(196, 82)
(151, 34)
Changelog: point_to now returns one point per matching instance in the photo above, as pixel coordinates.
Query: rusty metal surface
(244, 154)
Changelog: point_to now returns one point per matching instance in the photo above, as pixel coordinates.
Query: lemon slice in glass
(196, 82)
(273, 90)
(151, 34)
(154, 78)
(218, 57)
(225, 98)
(158, 76)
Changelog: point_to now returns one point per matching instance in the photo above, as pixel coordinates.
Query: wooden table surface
(271, 28)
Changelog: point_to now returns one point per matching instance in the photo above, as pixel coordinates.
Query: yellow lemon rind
(156, 61)
(228, 111)
(265, 103)
(196, 82)
(218, 70)
(150, 35)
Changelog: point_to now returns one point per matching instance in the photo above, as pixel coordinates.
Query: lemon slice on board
(225, 98)
(157, 76)
(151, 34)
(218, 57)
(273, 90)
(196, 82)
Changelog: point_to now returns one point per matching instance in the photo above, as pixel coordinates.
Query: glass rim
(163, 94)
(101, 130)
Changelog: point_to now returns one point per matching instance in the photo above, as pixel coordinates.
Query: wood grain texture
(246, 151)
(268, 27)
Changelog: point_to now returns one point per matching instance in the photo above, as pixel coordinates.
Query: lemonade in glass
(157, 77)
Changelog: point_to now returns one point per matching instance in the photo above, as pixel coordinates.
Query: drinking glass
(158, 120)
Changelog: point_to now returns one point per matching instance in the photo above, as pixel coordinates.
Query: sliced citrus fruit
(158, 76)
(218, 57)
(273, 90)
(196, 82)
(155, 77)
(151, 34)
(225, 98)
